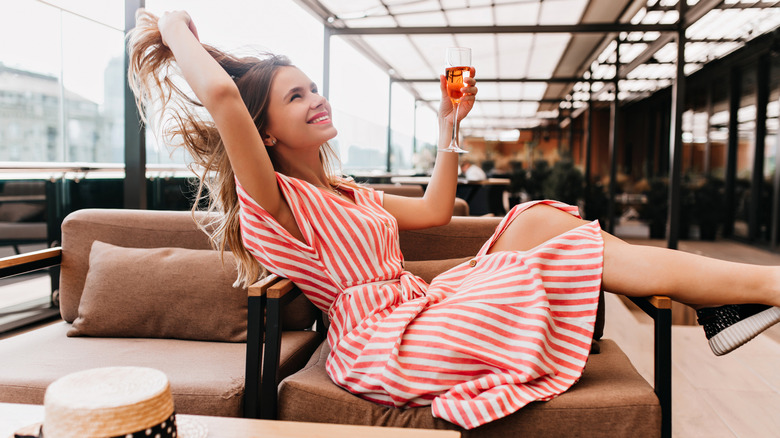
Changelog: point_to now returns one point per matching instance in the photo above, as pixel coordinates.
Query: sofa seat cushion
(428, 269)
(207, 378)
(611, 399)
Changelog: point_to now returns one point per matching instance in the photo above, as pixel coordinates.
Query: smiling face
(298, 116)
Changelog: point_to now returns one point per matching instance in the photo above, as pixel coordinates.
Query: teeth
(319, 119)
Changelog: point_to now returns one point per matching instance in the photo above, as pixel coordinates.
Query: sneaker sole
(739, 333)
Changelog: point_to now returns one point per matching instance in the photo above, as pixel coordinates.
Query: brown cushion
(138, 229)
(611, 399)
(462, 237)
(427, 269)
(170, 293)
(128, 228)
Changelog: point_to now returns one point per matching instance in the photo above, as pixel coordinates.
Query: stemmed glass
(457, 62)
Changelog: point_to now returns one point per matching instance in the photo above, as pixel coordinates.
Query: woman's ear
(269, 140)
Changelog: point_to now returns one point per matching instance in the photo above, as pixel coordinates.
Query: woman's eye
(294, 96)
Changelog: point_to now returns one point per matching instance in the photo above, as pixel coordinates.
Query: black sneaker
(729, 327)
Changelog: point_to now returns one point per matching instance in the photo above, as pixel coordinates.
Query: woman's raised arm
(220, 96)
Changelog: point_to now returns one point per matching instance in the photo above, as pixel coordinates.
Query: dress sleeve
(254, 213)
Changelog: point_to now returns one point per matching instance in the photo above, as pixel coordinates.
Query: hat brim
(185, 428)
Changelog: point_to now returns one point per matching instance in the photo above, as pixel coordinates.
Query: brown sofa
(150, 292)
(208, 376)
(610, 400)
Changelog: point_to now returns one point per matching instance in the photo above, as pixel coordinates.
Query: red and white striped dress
(480, 342)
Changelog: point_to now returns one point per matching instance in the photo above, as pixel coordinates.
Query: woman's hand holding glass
(447, 109)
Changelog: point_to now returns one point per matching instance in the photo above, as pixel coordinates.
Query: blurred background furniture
(22, 213)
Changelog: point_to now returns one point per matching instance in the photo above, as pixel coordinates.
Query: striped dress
(478, 343)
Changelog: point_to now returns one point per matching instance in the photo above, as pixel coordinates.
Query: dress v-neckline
(339, 194)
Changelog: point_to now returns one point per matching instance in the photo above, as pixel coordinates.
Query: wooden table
(15, 416)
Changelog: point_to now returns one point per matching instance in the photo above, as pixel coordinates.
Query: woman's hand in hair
(169, 20)
(446, 110)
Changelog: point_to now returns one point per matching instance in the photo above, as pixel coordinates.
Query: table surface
(15, 416)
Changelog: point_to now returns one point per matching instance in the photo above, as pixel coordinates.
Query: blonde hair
(183, 123)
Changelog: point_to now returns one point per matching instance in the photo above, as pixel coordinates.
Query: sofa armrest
(260, 287)
(660, 309)
(281, 289)
(656, 301)
(29, 262)
(255, 335)
(19, 264)
(264, 329)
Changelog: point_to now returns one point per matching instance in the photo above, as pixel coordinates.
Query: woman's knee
(535, 226)
(543, 216)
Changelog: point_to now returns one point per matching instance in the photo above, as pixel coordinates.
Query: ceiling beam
(625, 17)
(316, 9)
(694, 13)
(552, 28)
(658, 7)
(337, 26)
(699, 10)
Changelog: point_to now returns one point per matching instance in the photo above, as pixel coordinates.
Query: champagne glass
(457, 62)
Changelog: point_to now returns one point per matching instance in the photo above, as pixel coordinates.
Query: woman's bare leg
(637, 270)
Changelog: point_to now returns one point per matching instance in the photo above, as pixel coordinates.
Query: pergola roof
(542, 59)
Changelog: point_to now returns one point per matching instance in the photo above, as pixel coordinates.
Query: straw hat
(112, 402)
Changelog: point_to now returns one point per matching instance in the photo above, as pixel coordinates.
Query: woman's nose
(318, 101)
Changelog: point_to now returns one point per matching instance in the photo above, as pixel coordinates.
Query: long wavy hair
(183, 122)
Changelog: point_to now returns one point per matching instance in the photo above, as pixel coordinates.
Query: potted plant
(538, 174)
(708, 202)
(564, 183)
(656, 210)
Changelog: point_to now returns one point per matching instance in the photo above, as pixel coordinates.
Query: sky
(92, 35)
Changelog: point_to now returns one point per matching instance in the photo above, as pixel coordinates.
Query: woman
(485, 338)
